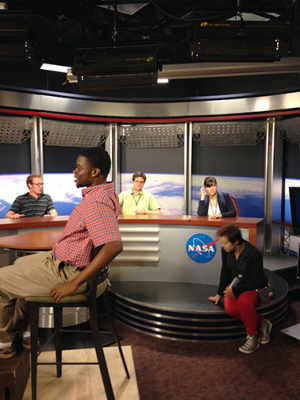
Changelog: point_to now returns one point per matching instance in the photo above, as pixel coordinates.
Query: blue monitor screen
(295, 208)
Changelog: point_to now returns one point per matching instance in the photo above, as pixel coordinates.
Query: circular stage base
(182, 311)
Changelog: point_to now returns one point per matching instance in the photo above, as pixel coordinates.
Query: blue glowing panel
(61, 188)
(168, 190)
(249, 193)
(287, 203)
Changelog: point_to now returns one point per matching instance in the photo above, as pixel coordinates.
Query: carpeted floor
(169, 370)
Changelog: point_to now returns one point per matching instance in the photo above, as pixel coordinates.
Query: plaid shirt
(92, 223)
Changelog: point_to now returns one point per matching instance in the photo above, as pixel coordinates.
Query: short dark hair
(139, 174)
(232, 232)
(31, 177)
(98, 158)
(210, 181)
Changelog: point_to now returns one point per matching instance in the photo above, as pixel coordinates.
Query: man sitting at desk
(138, 201)
(33, 203)
(66, 269)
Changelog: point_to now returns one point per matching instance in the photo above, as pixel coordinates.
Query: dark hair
(210, 181)
(98, 158)
(139, 174)
(31, 177)
(232, 232)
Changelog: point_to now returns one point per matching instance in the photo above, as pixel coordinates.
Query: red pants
(243, 308)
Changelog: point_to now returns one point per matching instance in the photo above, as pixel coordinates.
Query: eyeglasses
(38, 184)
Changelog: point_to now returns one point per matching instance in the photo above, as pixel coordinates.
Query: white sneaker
(264, 331)
(250, 345)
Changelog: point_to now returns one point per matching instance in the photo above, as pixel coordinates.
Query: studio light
(54, 68)
(162, 80)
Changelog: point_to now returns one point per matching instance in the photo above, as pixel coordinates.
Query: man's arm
(157, 211)
(154, 207)
(121, 198)
(50, 208)
(105, 256)
(53, 213)
(13, 215)
(13, 212)
(143, 211)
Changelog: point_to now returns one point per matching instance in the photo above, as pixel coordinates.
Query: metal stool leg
(58, 339)
(34, 326)
(108, 309)
(99, 350)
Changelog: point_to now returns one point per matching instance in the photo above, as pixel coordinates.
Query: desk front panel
(158, 253)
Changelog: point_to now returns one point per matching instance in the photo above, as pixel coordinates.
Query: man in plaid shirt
(67, 268)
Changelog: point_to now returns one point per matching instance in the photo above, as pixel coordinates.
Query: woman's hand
(202, 193)
(215, 298)
(215, 216)
(228, 292)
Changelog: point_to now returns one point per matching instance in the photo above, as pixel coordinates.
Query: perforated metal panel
(68, 134)
(14, 130)
(142, 136)
(289, 130)
(228, 134)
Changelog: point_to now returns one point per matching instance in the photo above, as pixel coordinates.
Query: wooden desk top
(33, 222)
(282, 222)
(45, 240)
(39, 240)
(43, 222)
(188, 220)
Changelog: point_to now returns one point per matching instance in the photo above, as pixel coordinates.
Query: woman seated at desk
(214, 204)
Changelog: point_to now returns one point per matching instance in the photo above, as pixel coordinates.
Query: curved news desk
(157, 288)
(154, 247)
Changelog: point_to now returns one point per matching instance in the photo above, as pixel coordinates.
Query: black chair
(97, 286)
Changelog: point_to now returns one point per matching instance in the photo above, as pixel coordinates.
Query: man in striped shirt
(66, 269)
(33, 203)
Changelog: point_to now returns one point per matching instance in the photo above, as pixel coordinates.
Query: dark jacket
(225, 203)
(255, 277)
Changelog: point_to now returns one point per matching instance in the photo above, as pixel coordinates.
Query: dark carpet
(171, 370)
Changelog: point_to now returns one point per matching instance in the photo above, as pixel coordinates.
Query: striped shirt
(92, 223)
(32, 207)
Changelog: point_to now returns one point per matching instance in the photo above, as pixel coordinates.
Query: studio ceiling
(56, 29)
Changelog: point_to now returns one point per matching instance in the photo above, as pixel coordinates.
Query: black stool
(97, 287)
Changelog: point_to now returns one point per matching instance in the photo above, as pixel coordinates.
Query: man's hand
(140, 211)
(105, 256)
(61, 290)
(16, 216)
(215, 298)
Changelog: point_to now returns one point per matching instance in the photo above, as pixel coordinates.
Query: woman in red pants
(242, 259)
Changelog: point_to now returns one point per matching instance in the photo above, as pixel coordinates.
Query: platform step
(182, 311)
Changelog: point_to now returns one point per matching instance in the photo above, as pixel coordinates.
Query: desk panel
(154, 248)
(155, 245)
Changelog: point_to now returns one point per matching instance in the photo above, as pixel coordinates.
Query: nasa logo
(201, 248)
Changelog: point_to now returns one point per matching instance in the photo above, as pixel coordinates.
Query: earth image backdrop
(167, 188)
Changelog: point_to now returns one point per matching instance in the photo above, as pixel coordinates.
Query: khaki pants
(33, 275)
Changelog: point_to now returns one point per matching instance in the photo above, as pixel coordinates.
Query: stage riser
(196, 338)
(217, 318)
(182, 311)
(234, 324)
(232, 329)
